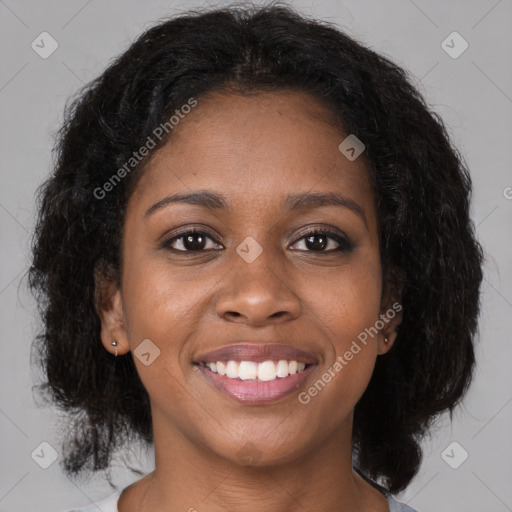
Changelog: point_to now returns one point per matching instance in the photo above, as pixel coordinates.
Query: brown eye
(316, 242)
(323, 241)
(190, 241)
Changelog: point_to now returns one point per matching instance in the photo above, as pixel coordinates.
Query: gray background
(473, 93)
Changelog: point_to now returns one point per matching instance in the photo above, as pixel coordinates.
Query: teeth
(232, 370)
(267, 370)
(282, 369)
(221, 368)
(249, 370)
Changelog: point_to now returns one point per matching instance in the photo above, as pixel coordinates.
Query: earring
(114, 343)
(385, 340)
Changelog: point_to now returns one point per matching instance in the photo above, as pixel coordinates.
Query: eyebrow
(294, 202)
(204, 198)
(309, 200)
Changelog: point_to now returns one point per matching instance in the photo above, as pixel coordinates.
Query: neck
(190, 477)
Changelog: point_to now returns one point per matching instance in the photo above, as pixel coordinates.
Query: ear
(391, 318)
(391, 314)
(109, 306)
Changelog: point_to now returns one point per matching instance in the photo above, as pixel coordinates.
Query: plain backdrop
(473, 94)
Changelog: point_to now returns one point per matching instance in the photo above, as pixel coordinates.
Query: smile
(256, 373)
(260, 372)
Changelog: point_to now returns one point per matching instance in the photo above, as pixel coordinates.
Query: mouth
(266, 371)
(256, 374)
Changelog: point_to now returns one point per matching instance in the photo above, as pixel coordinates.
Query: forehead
(255, 145)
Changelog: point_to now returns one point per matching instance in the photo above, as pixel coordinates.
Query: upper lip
(257, 352)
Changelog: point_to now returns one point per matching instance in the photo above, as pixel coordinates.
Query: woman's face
(253, 276)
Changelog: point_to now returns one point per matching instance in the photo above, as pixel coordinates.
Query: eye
(325, 241)
(315, 240)
(192, 240)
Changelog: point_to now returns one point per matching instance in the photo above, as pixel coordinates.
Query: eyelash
(344, 244)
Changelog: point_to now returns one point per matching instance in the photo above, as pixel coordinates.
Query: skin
(254, 150)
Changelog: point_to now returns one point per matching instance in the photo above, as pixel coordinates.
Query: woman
(255, 252)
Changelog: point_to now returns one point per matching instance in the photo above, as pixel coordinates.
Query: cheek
(159, 302)
(347, 307)
(347, 302)
(159, 308)
(166, 307)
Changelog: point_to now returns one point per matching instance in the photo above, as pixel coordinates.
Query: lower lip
(257, 392)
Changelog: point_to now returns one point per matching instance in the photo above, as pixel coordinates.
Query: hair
(431, 260)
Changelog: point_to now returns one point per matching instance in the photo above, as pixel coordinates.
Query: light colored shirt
(110, 505)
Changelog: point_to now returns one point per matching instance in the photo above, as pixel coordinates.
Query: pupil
(310, 244)
(191, 245)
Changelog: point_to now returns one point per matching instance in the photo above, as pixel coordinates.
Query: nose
(257, 294)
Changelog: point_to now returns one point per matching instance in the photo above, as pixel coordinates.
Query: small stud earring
(385, 340)
(114, 343)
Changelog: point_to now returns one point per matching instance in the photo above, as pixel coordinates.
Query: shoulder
(107, 505)
(395, 506)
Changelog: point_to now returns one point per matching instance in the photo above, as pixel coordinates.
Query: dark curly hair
(430, 257)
